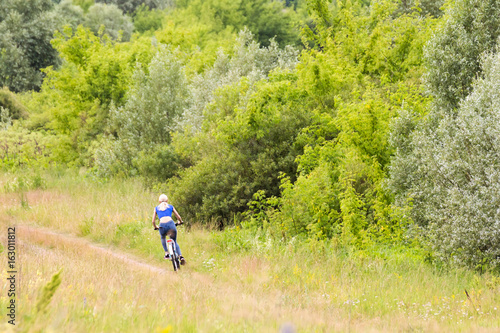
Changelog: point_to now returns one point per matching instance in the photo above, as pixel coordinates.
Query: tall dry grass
(234, 281)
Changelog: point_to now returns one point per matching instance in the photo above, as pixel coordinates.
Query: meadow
(96, 236)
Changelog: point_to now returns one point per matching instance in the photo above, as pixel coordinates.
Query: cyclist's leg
(172, 233)
(163, 234)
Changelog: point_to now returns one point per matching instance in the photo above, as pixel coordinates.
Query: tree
(68, 13)
(116, 25)
(248, 140)
(454, 187)
(366, 62)
(26, 29)
(10, 102)
(147, 20)
(423, 7)
(471, 27)
(130, 6)
(443, 160)
(145, 123)
(248, 59)
(265, 19)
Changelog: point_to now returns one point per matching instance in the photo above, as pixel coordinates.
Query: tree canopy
(352, 122)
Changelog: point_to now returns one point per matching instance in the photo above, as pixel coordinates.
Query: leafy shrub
(9, 101)
(158, 165)
(21, 148)
(232, 239)
(454, 183)
(247, 141)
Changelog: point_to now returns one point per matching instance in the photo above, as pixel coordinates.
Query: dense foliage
(354, 121)
(266, 19)
(444, 163)
(130, 6)
(109, 19)
(26, 29)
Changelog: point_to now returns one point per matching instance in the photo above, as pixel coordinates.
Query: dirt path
(52, 238)
(230, 299)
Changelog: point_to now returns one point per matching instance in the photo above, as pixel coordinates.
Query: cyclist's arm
(154, 220)
(177, 216)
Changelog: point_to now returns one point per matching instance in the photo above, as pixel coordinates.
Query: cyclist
(167, 226)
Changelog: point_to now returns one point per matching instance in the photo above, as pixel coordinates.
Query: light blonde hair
(163, 199)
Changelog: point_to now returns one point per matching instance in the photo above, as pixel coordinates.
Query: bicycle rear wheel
(174, 263)
(173, 255)
(177, 263)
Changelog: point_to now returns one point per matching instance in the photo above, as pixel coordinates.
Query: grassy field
(113, 277)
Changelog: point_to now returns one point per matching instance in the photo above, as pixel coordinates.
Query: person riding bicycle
(167, 226)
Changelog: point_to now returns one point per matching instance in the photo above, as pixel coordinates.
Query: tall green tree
(144, 125)
(365, 63)
(26, 28)
(453, 55)
(130, 6)
(265, 19)
(69, 13)
(444, 157)
(75, 99)
(110, 20)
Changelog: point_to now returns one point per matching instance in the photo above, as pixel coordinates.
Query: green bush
(232, 239)
(21, 148)
(146, 19)
(9, 101)
(247, 141)
(129, 6)
(158, 165)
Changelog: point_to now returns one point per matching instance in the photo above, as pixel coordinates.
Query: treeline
(357, 121)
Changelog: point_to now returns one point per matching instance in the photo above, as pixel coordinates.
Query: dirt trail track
(51, 238)
(206, 297)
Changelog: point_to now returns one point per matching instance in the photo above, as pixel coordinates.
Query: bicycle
(171, 249)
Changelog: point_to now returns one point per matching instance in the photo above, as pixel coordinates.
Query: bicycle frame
(173, 254)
